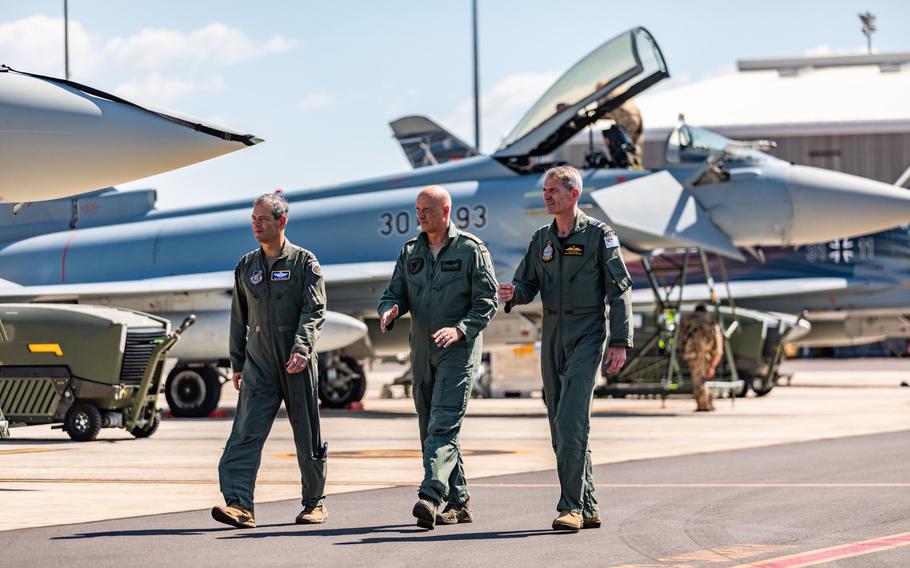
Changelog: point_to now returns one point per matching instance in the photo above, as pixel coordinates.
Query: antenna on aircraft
(868, 21)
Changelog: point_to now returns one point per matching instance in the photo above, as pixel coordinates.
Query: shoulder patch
(315, 268)
(611, 240)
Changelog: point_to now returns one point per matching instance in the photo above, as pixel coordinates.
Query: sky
(319, 81)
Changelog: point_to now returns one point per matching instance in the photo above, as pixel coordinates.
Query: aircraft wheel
(192, 392)
(341, 380)
(150, 428)
(82, 422)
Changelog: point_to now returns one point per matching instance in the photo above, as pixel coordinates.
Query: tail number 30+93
(401, 222)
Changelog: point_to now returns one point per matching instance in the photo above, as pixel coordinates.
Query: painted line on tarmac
(833, 553)
(203, 482)
(485, 485)
(711, 485)
(29, 451)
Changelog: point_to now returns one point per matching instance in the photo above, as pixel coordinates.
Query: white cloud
(212, 45)
(316, 101)
(36, 44)
(155, 64)
(163, 90)
(501, 107)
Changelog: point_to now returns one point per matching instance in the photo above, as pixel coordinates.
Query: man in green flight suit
(574, 262)
(277, 313)
(444, 277)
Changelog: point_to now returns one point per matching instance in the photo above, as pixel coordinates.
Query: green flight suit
(457, 289)
(573, 278)
(277, 309)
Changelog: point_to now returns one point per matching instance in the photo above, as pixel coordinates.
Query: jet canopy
(693, 145)
(608, 76)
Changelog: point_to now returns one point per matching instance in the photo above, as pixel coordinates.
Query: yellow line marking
(46, 348)
(723, 553)
(29, 451)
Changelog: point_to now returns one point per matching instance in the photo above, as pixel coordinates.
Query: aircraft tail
(103, 207)
(426, 143)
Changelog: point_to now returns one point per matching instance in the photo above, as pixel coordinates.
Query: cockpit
(690, 145)
(602, 81)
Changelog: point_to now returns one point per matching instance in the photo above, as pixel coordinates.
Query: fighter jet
(707, 199)
(60, 138)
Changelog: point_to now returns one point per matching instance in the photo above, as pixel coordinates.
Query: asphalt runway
(842, 502)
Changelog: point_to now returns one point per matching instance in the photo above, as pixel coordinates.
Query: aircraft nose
(829, 205)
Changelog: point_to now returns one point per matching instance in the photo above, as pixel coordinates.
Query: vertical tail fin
(425, 143)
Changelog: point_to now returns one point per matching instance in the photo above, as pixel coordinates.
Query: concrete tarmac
(840, 502)
(46, 480)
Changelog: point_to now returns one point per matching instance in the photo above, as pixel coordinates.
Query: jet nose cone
(829, 205)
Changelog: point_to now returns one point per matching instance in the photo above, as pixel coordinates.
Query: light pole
(66, 39)
(476, 78)
(868, 21)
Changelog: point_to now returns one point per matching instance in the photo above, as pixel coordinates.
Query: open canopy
(608, 76)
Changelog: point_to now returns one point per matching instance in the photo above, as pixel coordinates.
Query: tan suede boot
(312, 515)
(568, 521)
(235, 515)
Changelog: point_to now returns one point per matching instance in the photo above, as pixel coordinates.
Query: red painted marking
(824, 555)
(219, 413)
(63, 262)
(357, 406)
(620, 179)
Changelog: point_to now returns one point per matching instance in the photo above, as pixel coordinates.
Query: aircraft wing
(754, 292)
(656, 211)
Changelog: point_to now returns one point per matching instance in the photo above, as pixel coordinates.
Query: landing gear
(341, 380)
(192, 392)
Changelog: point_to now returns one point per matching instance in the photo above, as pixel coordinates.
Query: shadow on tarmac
(410, 532)
(350, 531)
(439, 537)
(156, 532)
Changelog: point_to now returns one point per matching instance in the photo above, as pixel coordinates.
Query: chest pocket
(451, 272)
(283, 279)
(253, 282)
(415, 275)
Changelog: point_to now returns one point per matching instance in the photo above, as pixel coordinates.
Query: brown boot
(312, 515)
(235, 515)
(591, 522)
(425, 511)
(454, 514)
(568, 521)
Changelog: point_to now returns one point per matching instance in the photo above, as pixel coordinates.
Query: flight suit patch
(279, 275)
(414, 265)
(574, 250)
(314, 266)
(451, 265)
(547, 254)
(256, 277)
(611, 241)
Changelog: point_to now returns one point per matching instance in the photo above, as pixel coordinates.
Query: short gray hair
(274, 201)
(569, 177)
